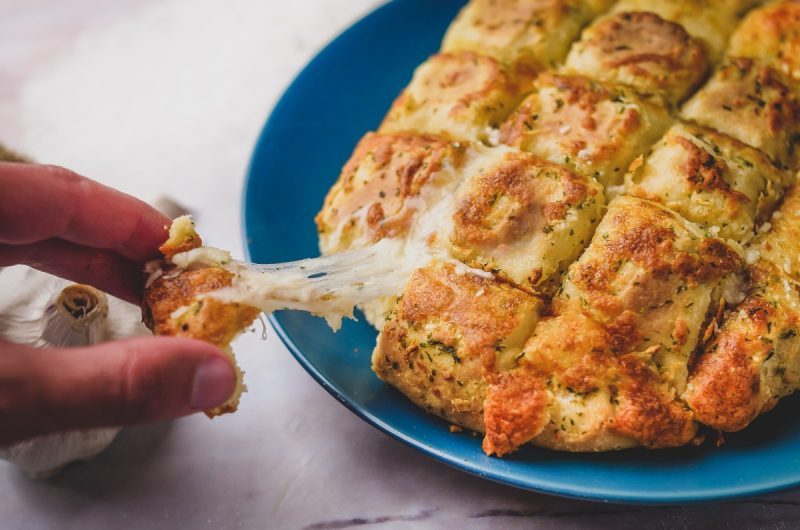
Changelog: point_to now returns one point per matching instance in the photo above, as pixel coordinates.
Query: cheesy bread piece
(652, 276)
(709, 178)
(388, 180)
(595, 128)
(446, 330)
(524, 218)
(643, 51)
(524, 34)
(390, 187)
(173, 305)
(710, 21)
(752, 103)
(771, 35)
(779, 241)
(754, 359)
(464, 95)
(606, 370)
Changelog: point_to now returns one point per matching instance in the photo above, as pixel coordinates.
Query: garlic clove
(43, 311)
(76, 317)
(45, 456)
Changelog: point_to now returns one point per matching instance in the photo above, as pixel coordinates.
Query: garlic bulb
(44, 311)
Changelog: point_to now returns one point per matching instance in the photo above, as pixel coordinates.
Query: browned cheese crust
(208, 319)
(710, 21)
(447, 333)
(641, 50)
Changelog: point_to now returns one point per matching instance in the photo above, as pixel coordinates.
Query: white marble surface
(167, 97)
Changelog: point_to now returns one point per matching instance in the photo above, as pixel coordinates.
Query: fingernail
(213, 383)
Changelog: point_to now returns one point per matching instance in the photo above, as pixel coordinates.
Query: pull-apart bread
(577, 227)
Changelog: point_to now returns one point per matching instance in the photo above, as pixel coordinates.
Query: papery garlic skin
(46, 456)
(42, 311)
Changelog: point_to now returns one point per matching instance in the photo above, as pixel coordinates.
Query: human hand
(59, 222)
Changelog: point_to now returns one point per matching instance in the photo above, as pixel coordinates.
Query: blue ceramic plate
(341, 94)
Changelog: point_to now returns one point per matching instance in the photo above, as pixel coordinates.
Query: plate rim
(533, 484)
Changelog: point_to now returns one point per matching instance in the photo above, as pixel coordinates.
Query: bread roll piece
(449, 328)
(463, 95)
(752, 103)
(643, 51)
(596, 128)
(710, 21)
(524, 34)
(771, 35)
(173, 304)
(524, 218)
(388, 180)
(718, 182)
(754, 359)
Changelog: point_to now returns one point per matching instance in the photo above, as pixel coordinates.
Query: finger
(44, 202)
(113, 384)
(104, 269)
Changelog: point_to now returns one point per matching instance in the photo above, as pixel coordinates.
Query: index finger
(43, 202)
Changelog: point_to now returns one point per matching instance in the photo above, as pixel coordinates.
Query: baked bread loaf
(596, 249)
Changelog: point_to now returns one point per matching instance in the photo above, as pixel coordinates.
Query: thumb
(117, 383)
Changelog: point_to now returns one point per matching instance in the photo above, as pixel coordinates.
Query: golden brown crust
(771, 34)
(447, 330)
(575, 391)
(649, 414)
(711, 179)
(725, 383)
(464, 95)
(613, 357)
(373, 197)
(781, 243)
(519, 180)
(752, 103)
(754, 360)
(710, 21)
(646, 270)
(594, 127)
(515, 412)
(173, 306)
(533, 34)
(209, 319)
(642, 50)
(510, 213)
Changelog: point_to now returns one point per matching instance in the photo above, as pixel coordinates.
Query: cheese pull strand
(328, 286)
